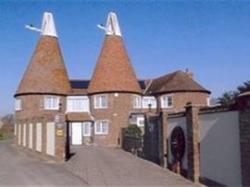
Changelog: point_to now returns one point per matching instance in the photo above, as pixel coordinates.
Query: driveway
(90, 166)
(19, 169)
(115, 167)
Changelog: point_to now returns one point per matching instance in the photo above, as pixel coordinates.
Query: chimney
(189, 73)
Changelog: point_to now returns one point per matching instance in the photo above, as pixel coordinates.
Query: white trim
(138, 119)
(88, 125)
(77, 104)
(98, 103)
(102, 130)
(18, 104)
(137, 101)
(51, 102)
(150, 100)
(162, 101)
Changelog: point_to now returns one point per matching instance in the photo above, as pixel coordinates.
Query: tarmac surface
(89, 166)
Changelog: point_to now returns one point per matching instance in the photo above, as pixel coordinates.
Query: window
(87, 129)
(167, 101)
(101, 127)
(77, 104)
(101, 101)
(208, 101)
(18, 104)
(146, 101)
(137, 101)
(51, 103)
(140, 121)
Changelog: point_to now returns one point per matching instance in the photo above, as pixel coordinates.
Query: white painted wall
(30, 135)
(24, 135)
(50, 148)
(39, 137)
(19, 134)
(172, 123)
(220, 147)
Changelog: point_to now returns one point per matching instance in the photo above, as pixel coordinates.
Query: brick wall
(119, 108)
(33, 112)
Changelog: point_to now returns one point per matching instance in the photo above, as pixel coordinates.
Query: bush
(133, 131)
(132, 139)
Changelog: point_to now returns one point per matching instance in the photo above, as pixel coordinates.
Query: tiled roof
(46, 72)
(178, 81)
(113, 71)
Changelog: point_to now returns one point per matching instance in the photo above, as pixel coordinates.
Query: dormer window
(167, 101)
(18, 104)
(100, 101)
(149, 101)
(51, 103)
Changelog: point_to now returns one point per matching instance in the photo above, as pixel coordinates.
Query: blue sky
(211, 38)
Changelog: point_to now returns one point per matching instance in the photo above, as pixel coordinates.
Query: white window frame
(137, 101)
(98, 101)
(163, 103)
(208, 101)
(138, 119)
(84, 130)
(149, 100)
(71, 106)
(18, 104)
(51, 106)
(101, 132)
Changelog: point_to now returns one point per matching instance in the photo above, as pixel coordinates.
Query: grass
(6, 136)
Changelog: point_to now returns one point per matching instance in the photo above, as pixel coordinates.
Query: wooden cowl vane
(46, 73)
(113, 71)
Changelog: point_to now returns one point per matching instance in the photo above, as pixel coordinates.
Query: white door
(30, 135)
(19, 133)
(39, 137)
(76, 133)
(51, 138)
(24, 135)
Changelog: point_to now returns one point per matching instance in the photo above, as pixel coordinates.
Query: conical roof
(46, 72)
(113, 71)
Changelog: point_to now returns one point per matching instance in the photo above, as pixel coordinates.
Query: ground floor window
(87, 129)
(101, 127)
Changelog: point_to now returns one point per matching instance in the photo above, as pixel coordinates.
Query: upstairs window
(167, 101)
(101, 101)
(77, 104)
(18, 104)
(51, 103)
(137, 101)
(147, 101)
(101, 127)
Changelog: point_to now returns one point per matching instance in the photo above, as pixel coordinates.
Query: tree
(245, 87)
(228, 98)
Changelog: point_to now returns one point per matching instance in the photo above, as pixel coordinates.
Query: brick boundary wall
(244, 129)
(193, 140)
(193, 137)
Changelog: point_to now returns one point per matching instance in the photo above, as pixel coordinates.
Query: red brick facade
(114, 76)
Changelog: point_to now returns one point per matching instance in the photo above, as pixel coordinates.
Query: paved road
(114, 167)
(17, 169)
(90, 166)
